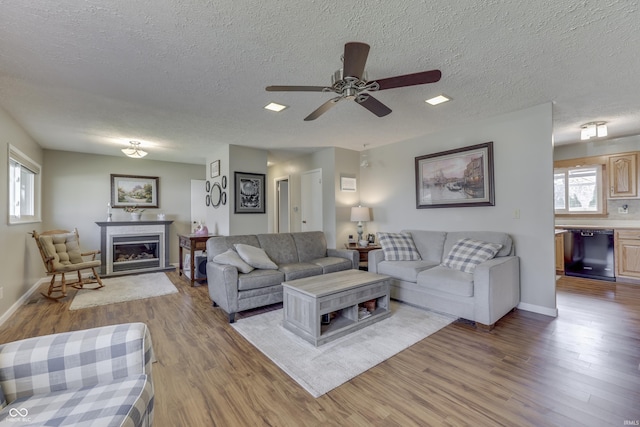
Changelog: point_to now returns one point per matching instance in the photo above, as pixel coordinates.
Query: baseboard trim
(22, 300)
(553, 312)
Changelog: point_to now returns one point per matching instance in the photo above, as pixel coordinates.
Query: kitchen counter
(596, 223)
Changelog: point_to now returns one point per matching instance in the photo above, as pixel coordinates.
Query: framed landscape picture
(134, 190)
(460, 177)
(249, 192)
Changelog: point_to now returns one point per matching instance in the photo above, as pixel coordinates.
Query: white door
(198, 205)
(311, 200)
(282, 205)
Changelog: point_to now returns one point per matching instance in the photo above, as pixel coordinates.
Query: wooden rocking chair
(60, 251)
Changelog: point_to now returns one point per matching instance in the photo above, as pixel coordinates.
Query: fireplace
(134, 247)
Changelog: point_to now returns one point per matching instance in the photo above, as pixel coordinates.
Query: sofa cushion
(219, 244)
(255, 257)
(259, 279)
(430, 244)
(467, 253)
(299, 270)
(404, 270)
(331, 264)
(231, 257)
(398, 247)
(280, 247)
(447, 280)
(125, 401)
(310, 245)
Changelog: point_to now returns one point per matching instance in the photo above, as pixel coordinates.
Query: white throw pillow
(255, 257)
(230, 257)
(467, 253)
(398, 247)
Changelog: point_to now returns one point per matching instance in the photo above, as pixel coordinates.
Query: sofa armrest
(349, 254)
(222, 282)
(74, 359)
(375, 257)
(496, 288)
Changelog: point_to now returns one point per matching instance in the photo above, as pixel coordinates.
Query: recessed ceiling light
(275, 107)
(438, 100)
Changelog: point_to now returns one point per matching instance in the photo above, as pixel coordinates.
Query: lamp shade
(360, 214)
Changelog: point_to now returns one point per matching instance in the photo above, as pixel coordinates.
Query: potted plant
(135, 212)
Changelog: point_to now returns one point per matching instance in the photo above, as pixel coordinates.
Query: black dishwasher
(589, 253)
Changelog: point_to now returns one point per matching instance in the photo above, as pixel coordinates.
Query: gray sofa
(297, 255)
(483, 296)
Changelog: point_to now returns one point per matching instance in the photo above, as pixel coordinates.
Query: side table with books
(364, 253)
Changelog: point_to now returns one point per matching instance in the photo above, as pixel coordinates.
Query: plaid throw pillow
(398, 247)
(467, 253)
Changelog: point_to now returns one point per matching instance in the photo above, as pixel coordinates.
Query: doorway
(311, 200)
(282, 205)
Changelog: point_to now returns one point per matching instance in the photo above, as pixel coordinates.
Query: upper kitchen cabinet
(623, 176)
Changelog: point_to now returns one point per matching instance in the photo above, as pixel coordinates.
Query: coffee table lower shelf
(305, 301)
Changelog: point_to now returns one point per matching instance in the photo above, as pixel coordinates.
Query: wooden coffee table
(306, 300)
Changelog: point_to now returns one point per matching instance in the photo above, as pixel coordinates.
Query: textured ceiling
(183, 76)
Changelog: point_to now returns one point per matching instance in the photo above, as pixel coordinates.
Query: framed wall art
(455, 178)
(348, 184)
(249, 193)
(215, 169)
(134, 190)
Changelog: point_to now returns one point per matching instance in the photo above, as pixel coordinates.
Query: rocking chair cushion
(64, 250)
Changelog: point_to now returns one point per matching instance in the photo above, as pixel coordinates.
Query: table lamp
(360, 214)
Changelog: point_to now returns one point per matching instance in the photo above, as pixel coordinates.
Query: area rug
(321, 369)
(124, 288)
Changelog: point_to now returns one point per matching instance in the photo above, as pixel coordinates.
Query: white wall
(77, 188)
(523, 167)
(20, 261)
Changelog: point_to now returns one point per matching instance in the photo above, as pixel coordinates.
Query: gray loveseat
(296, 255)
(484, 296)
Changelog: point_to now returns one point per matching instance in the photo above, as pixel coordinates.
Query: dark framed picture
(207, 186)
(215, 169)
(224, 182)
(456, 178)
(134, 190)
(207, 199)
(249, 194)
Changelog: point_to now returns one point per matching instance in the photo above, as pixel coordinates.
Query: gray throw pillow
(398, 247)
(230, 257)
(467, 253)
(255, 257)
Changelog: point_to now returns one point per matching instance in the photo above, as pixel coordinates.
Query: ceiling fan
(351, 83)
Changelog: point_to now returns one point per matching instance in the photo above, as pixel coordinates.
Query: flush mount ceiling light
(275, 107)
(134, 150)
(438, 100)
(593, 130)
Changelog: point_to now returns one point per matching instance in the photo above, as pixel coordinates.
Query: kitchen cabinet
(560, 251)
(623, 176)
(627, 253)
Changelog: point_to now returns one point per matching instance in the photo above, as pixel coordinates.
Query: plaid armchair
(99, 376)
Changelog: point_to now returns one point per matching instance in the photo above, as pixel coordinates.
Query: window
(578, 190)
(24, 188)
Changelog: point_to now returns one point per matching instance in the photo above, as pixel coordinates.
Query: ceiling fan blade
(355, 58)
(373, 105)
(322, 109)
(297, 88)
(410, 79)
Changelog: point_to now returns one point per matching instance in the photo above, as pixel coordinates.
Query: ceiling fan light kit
(351, 83)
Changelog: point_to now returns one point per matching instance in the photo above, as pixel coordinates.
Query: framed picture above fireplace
(134, 190)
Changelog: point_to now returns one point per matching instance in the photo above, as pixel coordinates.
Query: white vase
(135, 216)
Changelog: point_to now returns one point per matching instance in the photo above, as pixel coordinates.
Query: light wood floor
(581, 368)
